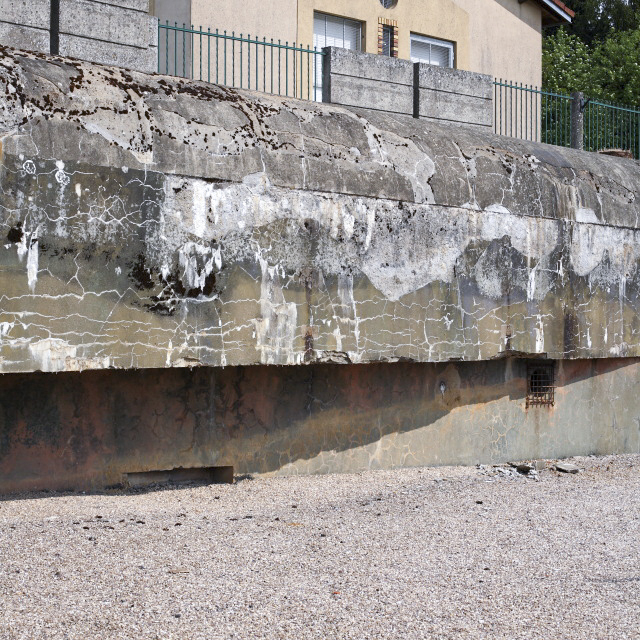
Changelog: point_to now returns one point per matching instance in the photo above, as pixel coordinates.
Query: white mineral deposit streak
(61, 177)
(51, 354)
(32, 261)
(201, 193)
(190, 256)
(540, 335)
(276, 327)
(531, 287)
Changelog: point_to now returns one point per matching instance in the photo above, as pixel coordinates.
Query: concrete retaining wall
(366, 80)
(454, 96)
(404, 270)
(390, 85)
(116, 32)
(87, 430)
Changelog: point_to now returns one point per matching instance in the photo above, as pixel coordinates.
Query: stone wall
(354, 79)
(24, 24)
(395, 86)
(117, 32)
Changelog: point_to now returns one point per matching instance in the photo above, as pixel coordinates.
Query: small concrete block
(566, 467)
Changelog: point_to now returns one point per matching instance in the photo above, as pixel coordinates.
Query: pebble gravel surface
(456, 552)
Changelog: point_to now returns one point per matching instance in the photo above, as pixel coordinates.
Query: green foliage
(599, 54)
(596, 19)
(616, 67)
(567, 64)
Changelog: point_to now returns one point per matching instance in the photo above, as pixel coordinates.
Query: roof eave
(556, 12)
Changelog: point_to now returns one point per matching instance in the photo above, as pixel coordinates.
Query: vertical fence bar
(501, 118)
(184, 51)
(308, 78)
(166, 45)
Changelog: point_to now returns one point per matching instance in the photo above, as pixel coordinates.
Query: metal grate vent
(540, 384)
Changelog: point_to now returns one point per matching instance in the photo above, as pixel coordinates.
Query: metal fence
(520, 110)
(239, 61)
(611, 126)
(530, 113)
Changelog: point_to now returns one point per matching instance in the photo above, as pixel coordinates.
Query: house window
(387, 40)
(540, 384)
(387, 37)
(333, 31)
(431, 51)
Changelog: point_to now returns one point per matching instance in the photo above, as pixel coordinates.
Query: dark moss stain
(139, 274)
(15, 234)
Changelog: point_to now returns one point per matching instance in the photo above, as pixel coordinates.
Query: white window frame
(427, 40)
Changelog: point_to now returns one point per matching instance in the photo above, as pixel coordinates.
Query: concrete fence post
(577, 120)
(326, 74)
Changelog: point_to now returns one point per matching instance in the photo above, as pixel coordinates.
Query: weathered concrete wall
(354, 79)
(117, 32)
(155, 222)
(395, 86)
(452, 95)
(168, 228)
(25, 24)
(80, 430)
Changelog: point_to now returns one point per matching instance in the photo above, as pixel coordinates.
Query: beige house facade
(502, 38)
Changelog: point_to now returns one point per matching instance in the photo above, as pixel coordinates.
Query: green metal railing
(611, 126)
(239, 61)
(526, 112)
(529, 113)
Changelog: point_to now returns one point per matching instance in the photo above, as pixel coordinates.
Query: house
(501, 38)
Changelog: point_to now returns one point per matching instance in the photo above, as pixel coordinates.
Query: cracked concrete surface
(152, 222)
(168, 228)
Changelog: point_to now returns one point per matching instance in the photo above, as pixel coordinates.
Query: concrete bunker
(202, 277)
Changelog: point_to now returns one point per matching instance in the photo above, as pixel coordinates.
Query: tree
(595, 19)
(567, 64)
(616, 67)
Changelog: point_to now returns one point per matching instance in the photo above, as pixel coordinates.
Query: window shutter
(420, 51)
(431, 51)
(331, 31)
(440, 55)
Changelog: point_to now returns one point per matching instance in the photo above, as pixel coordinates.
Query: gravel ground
(417, 553)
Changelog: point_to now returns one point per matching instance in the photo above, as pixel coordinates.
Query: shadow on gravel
(121, 490)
